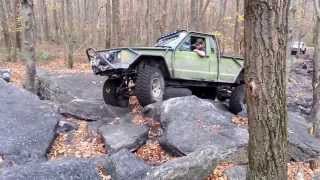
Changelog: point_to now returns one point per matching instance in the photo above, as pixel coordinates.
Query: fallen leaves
(81, 143)
(299, 170)
(153, 154)
(218, 172)
(240, 121)
(296, 171)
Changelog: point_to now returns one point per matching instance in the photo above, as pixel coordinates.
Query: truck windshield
(171, 41)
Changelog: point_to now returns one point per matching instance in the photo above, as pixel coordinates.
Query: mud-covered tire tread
(237, 99)
(143, 84)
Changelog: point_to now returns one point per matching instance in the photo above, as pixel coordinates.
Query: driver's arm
(200, 53)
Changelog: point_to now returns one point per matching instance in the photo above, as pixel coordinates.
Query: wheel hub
(156, 88)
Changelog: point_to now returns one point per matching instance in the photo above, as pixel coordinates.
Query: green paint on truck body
(185, 64)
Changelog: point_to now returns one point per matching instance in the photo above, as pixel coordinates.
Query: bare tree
(236, 40)
(28, 50)
(266, 23)
(116, 25)
(5, 30)
(108, 24)
(69, 33)
(316, 73)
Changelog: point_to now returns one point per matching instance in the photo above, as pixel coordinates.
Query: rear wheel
(237, 100)
(150, 85)
(111, 94)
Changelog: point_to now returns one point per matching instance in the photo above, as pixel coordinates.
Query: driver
(200, 47)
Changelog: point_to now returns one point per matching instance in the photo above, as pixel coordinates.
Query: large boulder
(196, 165)
(65, 87)
(236, 173)
(300, 87)
(27, 125)
(190, 123)
(92, 110)
(123, 134)
(302, 145)
(59, 169)
(124, 165)
(78, 95)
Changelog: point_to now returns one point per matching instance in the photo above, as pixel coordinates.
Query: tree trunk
(5, 30)
(55, 22)
(69, 31)
(45, 20)
(266, 23)
(108, 24)
(18, 25)
(315, 114)
(116, 24)
(194, 23)
(28, 50)
(236, 40)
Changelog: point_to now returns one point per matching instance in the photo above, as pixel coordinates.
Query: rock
(236, 173)
(92, 110)
(197, 165)
(302, 145)
(59, 169)
(124, 165)
(190, 123)
(66, 126)
(65, 87)
(27, 125)
(300, 88)
(123, 134)
(5, 74)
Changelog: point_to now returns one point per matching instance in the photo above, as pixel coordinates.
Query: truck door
(188, 64)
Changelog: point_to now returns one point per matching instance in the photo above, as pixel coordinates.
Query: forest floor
(85, 143)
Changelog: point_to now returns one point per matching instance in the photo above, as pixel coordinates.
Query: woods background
(77, 24)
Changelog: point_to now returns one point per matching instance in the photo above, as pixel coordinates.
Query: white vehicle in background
(298, 47)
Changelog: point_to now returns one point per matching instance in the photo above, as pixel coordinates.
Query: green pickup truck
(146, 72)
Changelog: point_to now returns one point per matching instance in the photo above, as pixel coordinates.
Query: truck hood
(151, 50)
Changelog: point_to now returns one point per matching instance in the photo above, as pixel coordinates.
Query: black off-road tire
(237, 99)
(110, 95)
(143, 86)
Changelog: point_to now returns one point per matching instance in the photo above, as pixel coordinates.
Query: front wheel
(237, 99)
(150, 85)
(111, 95)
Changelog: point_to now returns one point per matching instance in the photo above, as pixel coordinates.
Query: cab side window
(189, 43)
(186, 45)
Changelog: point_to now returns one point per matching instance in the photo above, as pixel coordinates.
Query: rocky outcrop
(236, 173)
(78, 95)
(56, 170)
(190, 123)
(196, 165)
(65, 87)
(92, 110)
(124, 165)
(27, 125)
(123, 134)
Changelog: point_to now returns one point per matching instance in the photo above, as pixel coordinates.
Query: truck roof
(183, 30)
